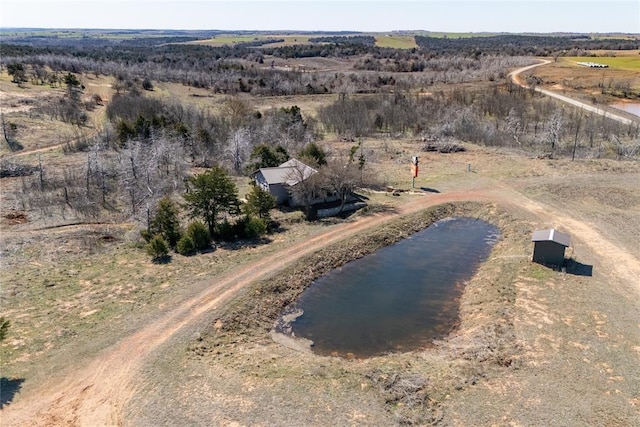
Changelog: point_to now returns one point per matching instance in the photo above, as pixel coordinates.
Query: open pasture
(629, 63)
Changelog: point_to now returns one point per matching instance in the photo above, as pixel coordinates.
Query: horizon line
(313, 31)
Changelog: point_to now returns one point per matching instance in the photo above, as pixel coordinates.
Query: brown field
(590, 83)
(101, 335)
(618, 53)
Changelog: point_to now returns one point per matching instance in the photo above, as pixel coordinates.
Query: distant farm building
(593, 65)
(549, 246)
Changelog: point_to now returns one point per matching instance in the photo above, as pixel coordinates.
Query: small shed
(549, 246)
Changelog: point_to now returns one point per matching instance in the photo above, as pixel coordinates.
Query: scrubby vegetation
(127, 186)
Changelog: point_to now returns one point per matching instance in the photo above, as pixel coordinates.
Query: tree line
(504, 115)
(233, 69)
(521, 45)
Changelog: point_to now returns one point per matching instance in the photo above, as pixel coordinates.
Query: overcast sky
(329, 15)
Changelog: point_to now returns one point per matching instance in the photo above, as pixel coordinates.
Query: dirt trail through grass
(623, 265)
(96, 394)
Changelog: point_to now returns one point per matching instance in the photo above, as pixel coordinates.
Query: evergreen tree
(259, 203)
(157, 248)
(166, 222)
(4, 327)
(210, 194)
(313, 153)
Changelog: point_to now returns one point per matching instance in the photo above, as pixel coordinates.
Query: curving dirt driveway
(515, 77)
(96, 394)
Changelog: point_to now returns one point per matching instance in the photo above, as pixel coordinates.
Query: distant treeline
(259, 42)
(146, 48)
(517, 45)
(233, 69)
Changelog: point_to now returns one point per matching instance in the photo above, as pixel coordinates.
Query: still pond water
(629, 107)
(398, 299)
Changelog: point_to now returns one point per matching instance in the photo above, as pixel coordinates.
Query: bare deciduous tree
(238, 148)
(341, 177)
(554, 128)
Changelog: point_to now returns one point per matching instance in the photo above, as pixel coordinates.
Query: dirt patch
(15, 217)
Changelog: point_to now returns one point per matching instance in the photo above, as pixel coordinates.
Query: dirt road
(603, 111)
(96, 394)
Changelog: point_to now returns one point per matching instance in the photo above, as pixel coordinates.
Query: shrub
(157, 248)
(146, 235)
(199, 234)
(259, 202)
(255, 227)
(4, 327)
(185, 245)
(166, 222)
(147, 85)
(226, 231)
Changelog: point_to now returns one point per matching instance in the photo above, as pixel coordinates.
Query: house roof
(551, 235)
(290, 172)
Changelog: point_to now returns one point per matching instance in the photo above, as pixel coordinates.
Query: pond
(629, 107)
(400, 298)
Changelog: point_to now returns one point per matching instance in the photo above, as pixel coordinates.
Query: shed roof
(290, 172)
(551, 235)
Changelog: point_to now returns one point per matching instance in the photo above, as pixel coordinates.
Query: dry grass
(627, 62)
(618, 53)
(71, 292)
(567, 75)
(396, 42)
(34, 128)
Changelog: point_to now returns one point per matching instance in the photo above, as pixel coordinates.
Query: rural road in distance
(515, 77)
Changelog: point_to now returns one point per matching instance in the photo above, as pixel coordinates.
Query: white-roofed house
(279, 180)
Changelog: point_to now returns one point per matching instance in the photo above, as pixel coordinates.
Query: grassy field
(34, 129)
(630, 63)
(390, 40)
(225, 40)
(589, 83)
(230, 39)
(396, 42)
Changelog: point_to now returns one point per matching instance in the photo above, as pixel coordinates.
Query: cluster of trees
(209, 138)
(506, 115)
(120, 183)
(226, 70)
(260, 42)
(223, 76)
(145, 150)
(212, 200)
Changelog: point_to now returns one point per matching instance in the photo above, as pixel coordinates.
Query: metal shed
(549, 246)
